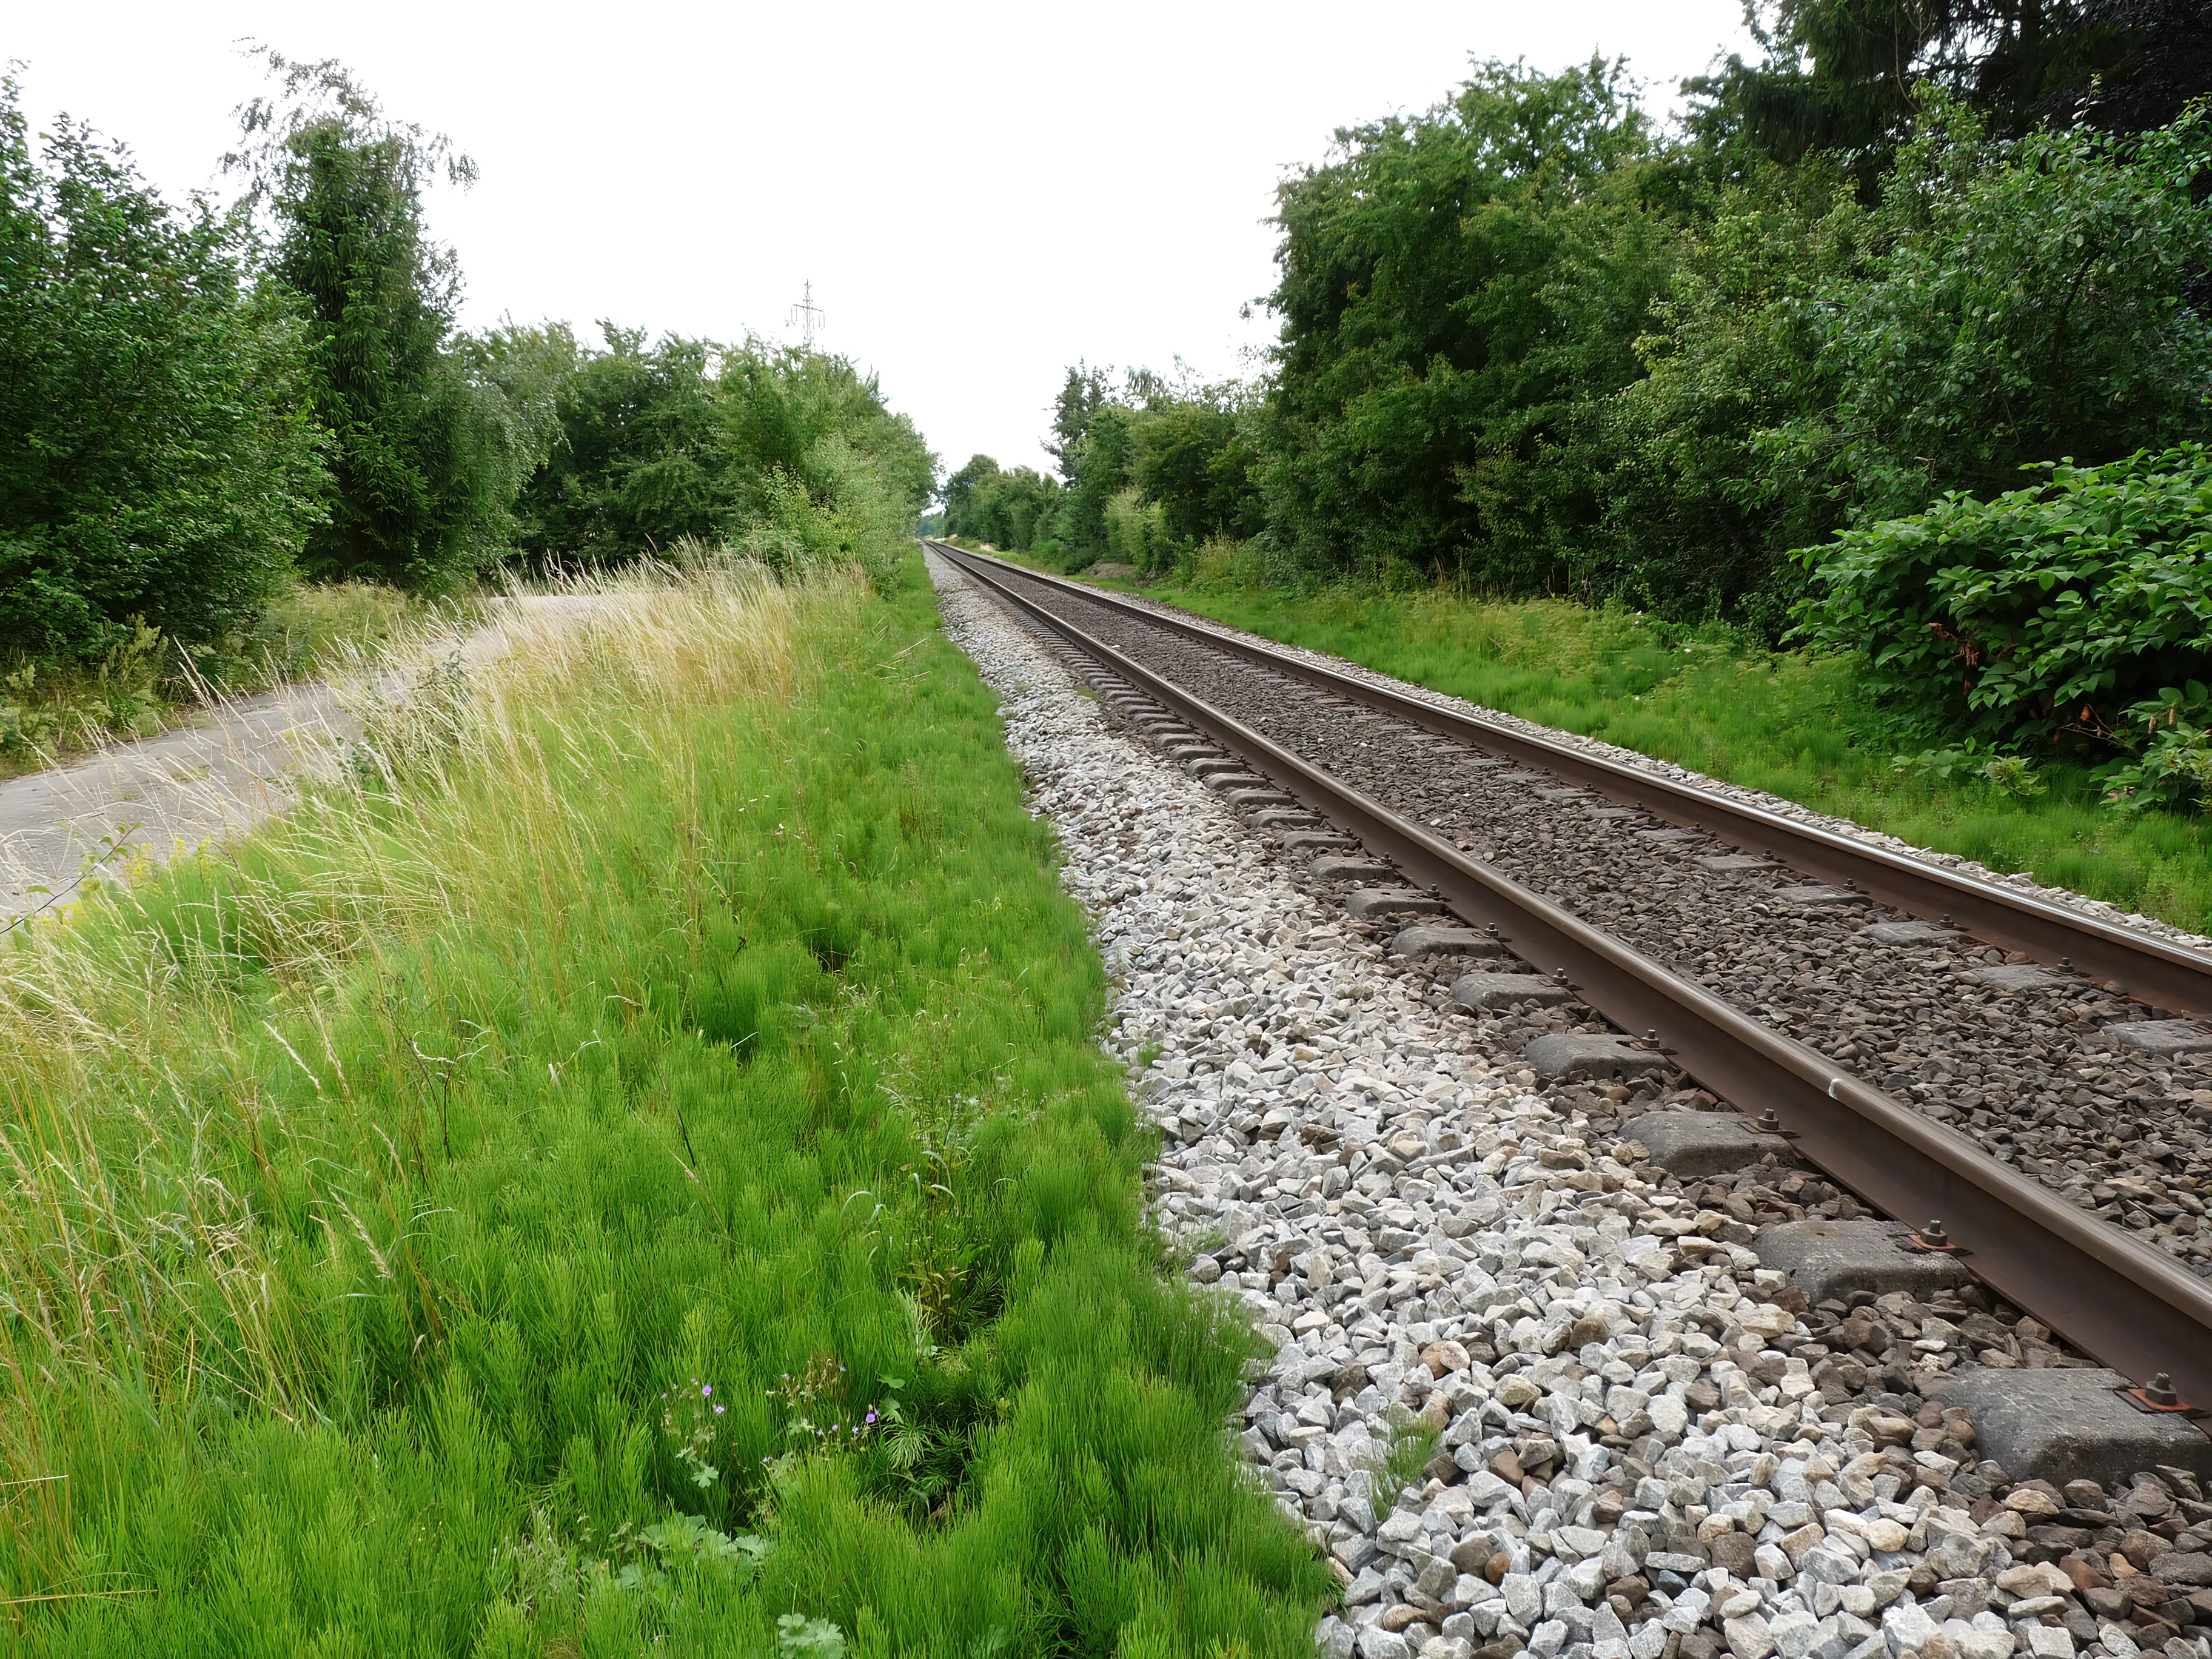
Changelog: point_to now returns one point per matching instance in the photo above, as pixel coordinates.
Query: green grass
(686, 1004)
(1787, 723)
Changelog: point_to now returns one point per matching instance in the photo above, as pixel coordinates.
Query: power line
(807, 318)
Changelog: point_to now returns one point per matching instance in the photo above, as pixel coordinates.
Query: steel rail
(2130, 1307)
(2152, 970)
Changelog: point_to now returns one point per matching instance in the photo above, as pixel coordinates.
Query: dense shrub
(1194, 459)
(791, 455)
(1687, 526)
(1451, 285)
(1531, 345)
(1136, 531)
(1816, 361)
(1014, 509)
(156, 462)
(2014, 301)
(1148, 472)
(2062, 608)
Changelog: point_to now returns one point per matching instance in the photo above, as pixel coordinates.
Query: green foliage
(1151, 471)
(2018, 301)
(1844, 75)
(1102, 460)
(961, 487)
(460, 1243)
(1814, 362)
(2170, 764)
(1195, 459)
(2013, 774)
(1687, 525)
(790, 455)
(45, 710)
(1016, 510)
(425, 458)
(1082, 395)
(2042, 612)
(817, 1638)
(156, 465)
(1528, 345)
(635, 460)
(1136, 532)
(516, 373)
(1450, 286)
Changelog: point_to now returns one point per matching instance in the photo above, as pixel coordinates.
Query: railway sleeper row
(2094, 1535)
(2170, 1323)
(2031, 1403)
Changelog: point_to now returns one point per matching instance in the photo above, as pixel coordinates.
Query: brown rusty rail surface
(2128, 1305)
(2152, 970)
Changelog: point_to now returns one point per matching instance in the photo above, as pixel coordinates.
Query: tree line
(1533, 341)
(202, 403)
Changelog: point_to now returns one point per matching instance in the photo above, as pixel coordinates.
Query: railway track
(1768, 974)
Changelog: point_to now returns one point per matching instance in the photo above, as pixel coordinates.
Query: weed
(1413, 1442)
(812, 1639)
(688, 1418)
(393, 1196)
(2014, 776)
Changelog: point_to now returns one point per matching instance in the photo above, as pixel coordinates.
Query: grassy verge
(1786, 723)
(48, 715)
(633, 1173)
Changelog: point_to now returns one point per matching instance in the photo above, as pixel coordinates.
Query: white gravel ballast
(1391, 1204)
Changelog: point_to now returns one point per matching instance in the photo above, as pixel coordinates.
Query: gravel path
(132, 806)
(146, 800)
(1528, 1393)
(2026, 1060)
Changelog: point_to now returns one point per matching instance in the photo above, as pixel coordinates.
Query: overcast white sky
(980, 193)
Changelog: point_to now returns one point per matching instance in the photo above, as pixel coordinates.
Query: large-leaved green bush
(2079, 608)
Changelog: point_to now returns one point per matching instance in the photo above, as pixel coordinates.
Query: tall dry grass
(127, 1050)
